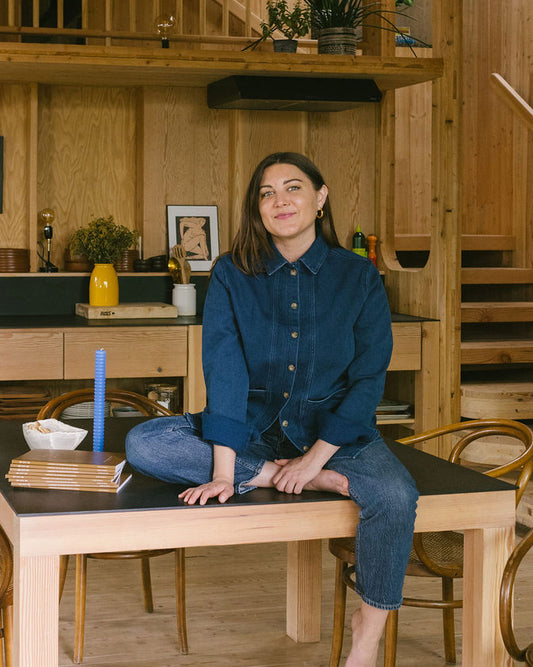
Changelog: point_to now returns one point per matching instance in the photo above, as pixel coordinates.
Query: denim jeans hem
(377, 605)
(245, 486)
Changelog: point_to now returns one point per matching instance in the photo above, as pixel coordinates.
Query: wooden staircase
(496, 337)
(496, 315)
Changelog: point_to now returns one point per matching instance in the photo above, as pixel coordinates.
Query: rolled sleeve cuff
(226, 431)
(339, 431)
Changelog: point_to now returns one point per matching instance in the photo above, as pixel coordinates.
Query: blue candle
(99, 400)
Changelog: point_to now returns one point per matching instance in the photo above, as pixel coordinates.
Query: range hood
(281, 93)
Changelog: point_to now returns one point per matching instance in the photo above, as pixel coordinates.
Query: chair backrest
(481, 428)
(6, 566)
(55, 406)
(506, 602)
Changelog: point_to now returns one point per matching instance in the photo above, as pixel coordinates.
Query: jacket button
(294, 272)
(284, 423)
(305, 448)
(294, 305)
(286, 394)
(292, 367)
(294, 334)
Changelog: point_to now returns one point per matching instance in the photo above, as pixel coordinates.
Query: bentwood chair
(506, 602)
(433, 554)
(6, 600)
(53, 409)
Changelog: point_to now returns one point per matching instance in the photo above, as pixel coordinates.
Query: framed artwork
(196, 229)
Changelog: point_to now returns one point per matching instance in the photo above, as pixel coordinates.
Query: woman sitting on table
(296, 342)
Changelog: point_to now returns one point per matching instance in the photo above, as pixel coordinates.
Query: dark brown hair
(251, 245)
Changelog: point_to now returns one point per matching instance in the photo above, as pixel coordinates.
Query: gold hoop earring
(320, 214)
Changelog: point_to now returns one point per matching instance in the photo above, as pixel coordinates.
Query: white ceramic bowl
(61, 436)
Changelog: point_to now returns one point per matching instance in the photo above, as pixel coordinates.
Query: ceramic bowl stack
(125, 262)
(83, 411)
(14, 260)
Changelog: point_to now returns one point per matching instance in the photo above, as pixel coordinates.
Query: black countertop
(76, 322)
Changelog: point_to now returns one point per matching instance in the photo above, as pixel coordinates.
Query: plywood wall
(15, 106)
(412, 211)
(86, 157)
(89, 151)
(496, 169)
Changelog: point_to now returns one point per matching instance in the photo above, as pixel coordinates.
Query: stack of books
(69, 470)
(388, 410)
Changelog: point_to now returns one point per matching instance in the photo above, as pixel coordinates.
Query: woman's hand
(295, 474)
(217, 488)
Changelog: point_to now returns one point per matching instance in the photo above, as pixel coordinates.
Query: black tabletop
(433, 476)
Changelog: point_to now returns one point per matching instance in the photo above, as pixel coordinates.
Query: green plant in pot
(292, 23)
(338, 23)
(103, 241)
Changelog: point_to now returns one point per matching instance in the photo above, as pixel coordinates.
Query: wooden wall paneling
(412, 207)
(86, 157)
(435, 290)
(184, 157)
(528, 237)
(487, 170)
(343, 146)
(254, 135)
(15, 119)
(516, 69)
(32, 158)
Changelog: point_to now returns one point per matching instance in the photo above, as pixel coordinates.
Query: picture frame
(196, 229)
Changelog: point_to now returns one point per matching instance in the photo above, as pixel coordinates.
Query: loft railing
(130, 22)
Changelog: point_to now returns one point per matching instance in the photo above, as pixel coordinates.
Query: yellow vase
(103, 286)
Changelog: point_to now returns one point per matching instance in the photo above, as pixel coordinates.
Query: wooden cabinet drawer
(407, 346)
(130, 352)
(31, 355)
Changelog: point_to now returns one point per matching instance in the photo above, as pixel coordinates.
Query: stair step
(497, 311)
(497, 400)
(497, 352)
(406, 242)
(496, 276)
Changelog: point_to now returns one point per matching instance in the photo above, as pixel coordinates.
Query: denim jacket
(306, 343)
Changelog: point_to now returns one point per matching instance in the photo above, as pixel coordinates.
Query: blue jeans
(172, 449)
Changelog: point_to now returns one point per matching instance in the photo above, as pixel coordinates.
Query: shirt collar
(313, 258)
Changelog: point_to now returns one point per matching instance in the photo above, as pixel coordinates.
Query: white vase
(184, 298)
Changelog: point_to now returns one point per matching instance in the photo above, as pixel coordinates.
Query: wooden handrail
(513, 100)
(141, 36)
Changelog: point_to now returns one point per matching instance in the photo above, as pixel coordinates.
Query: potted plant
(102, 241)
(338, 23)
(291, 23)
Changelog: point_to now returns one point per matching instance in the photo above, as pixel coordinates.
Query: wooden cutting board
(127, 311)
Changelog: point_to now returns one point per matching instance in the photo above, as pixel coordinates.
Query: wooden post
(435, 290)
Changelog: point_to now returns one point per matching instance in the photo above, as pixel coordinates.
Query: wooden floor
(235, 606)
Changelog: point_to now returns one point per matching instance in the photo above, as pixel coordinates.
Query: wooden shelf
(150, 66)
(479, 242)
(408, 422)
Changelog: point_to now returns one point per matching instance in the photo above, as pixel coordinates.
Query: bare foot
(329, 480)
(367, 629)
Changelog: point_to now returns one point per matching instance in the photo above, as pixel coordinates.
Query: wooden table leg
(304, 590)
(36, 611)
(485, 555)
